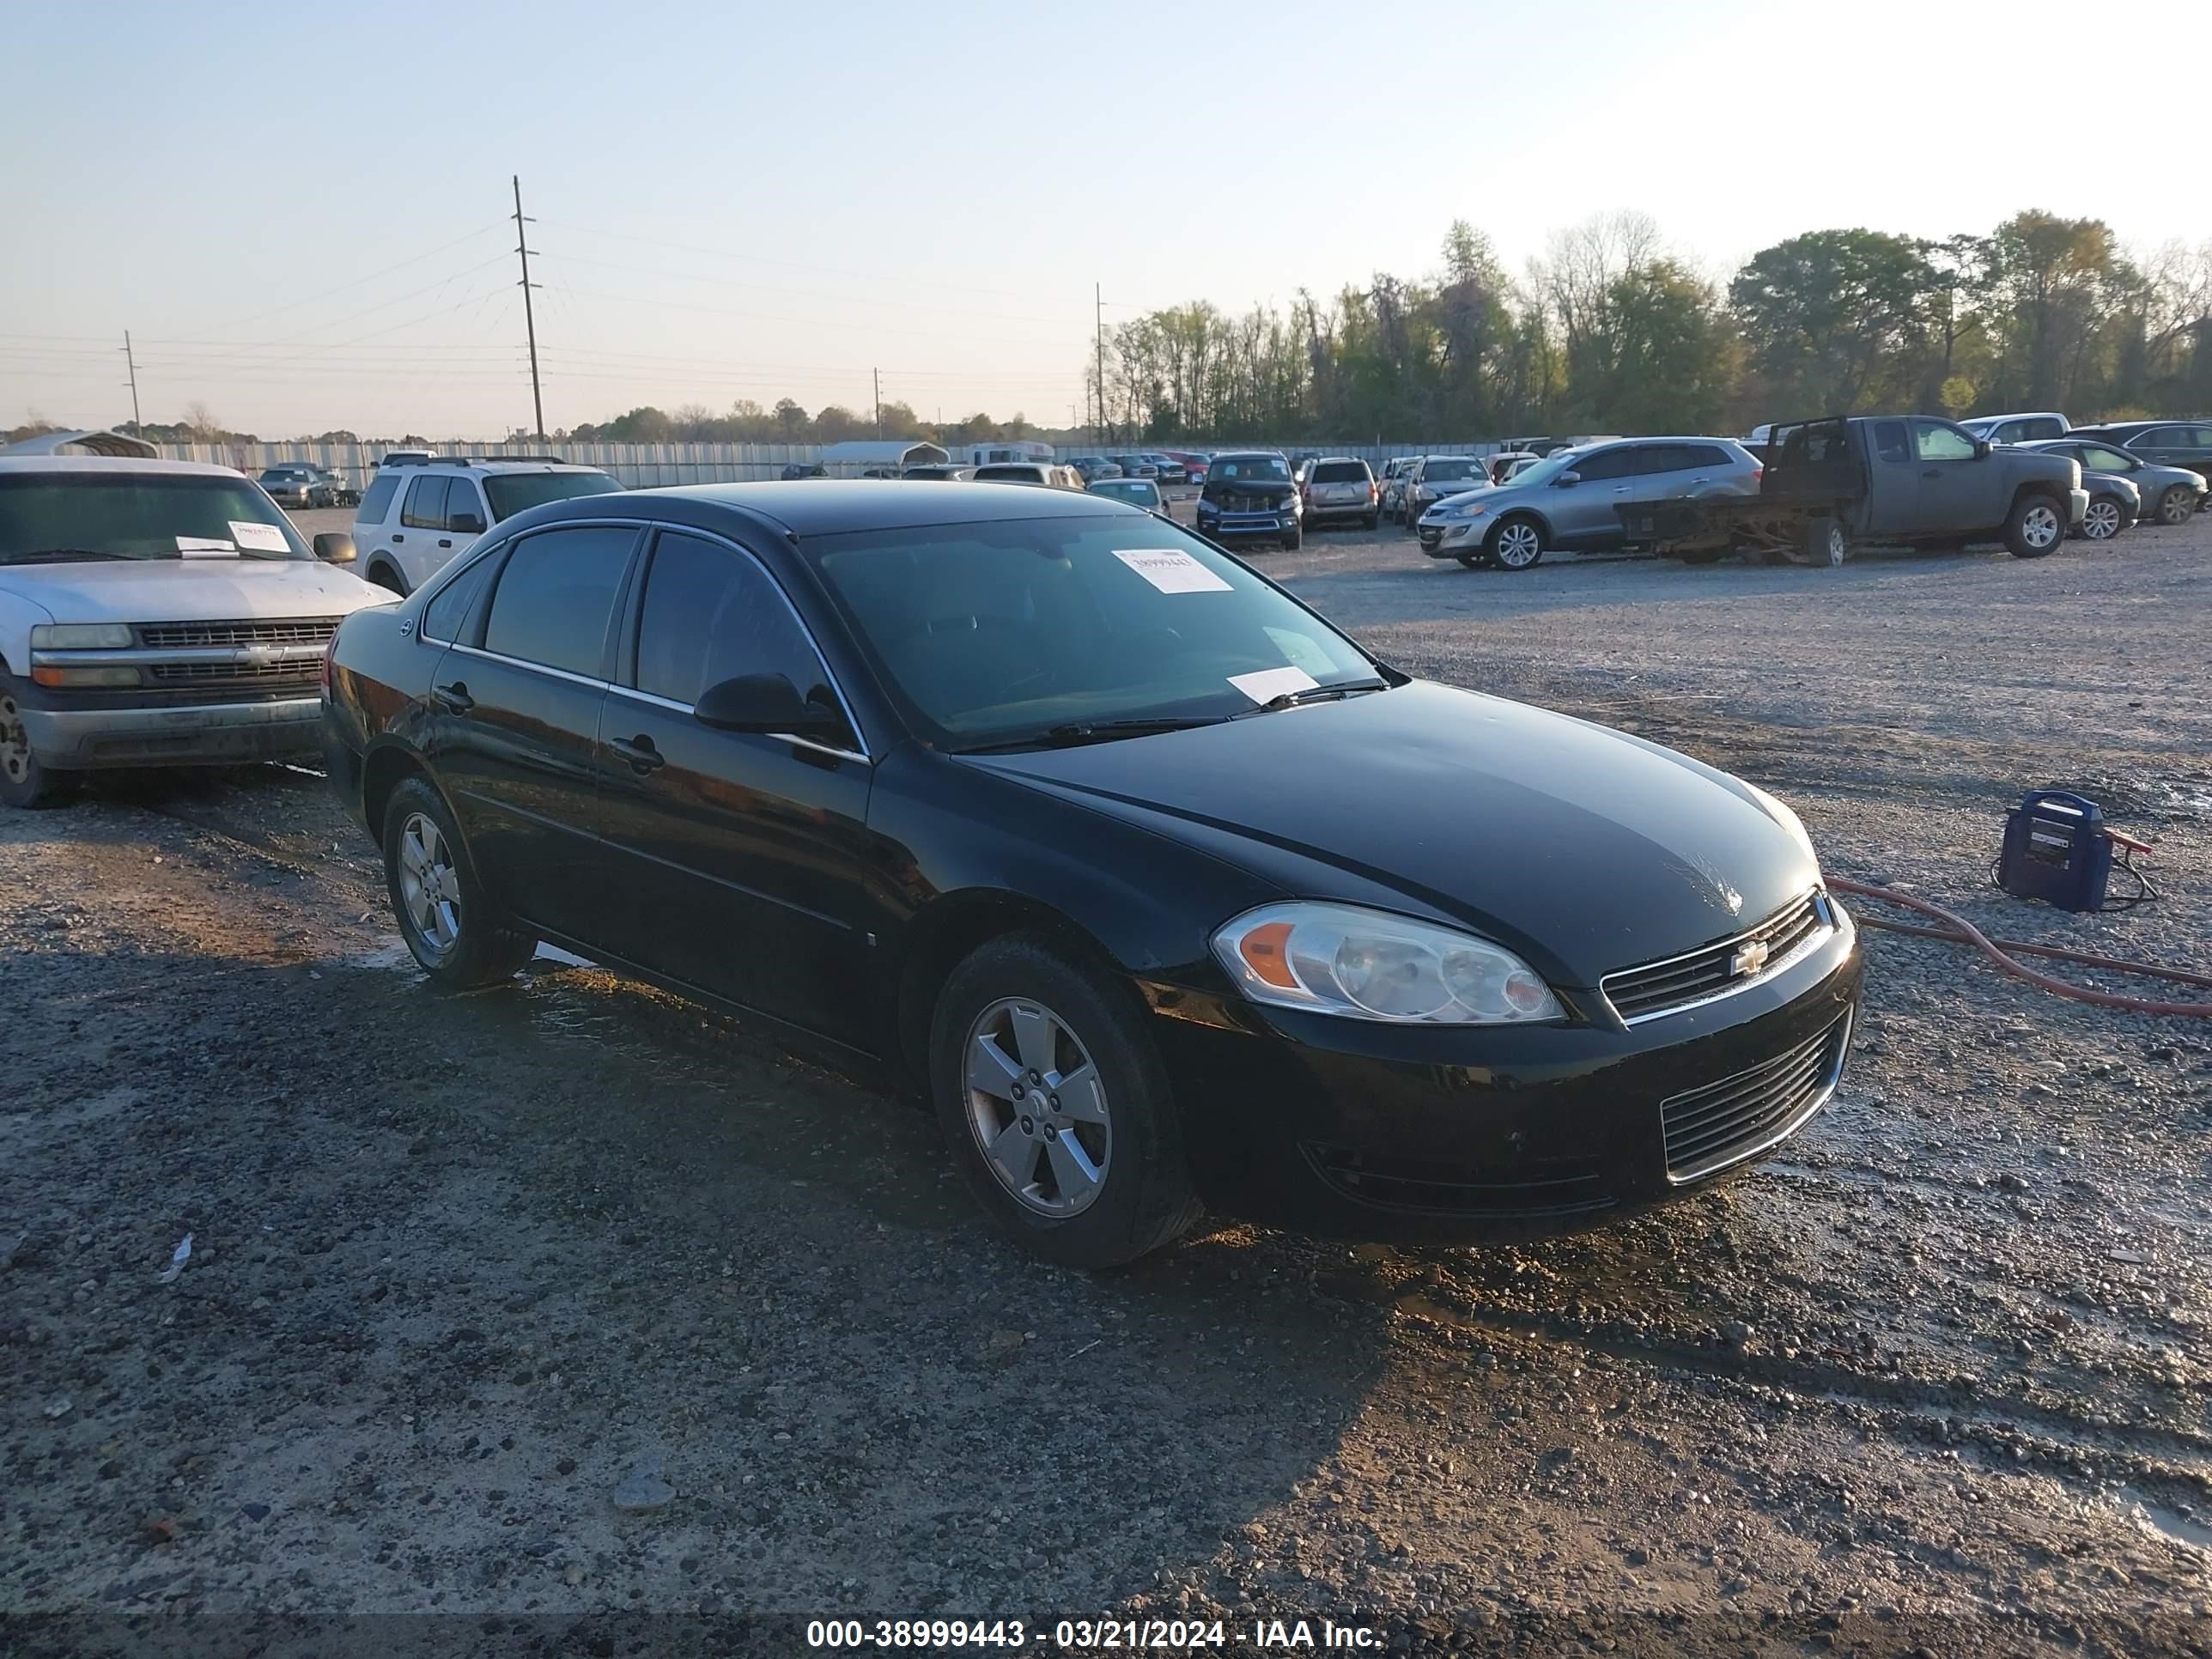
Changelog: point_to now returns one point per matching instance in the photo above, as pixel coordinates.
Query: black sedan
(1167, 893)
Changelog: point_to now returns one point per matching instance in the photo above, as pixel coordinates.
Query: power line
(358, 281)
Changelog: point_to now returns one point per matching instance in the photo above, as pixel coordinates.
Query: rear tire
(1021, 1014)
(1368, 523)
(450, 927)
(2034, 527)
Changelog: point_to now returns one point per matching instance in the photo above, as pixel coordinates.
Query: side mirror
(466, 524)
(1981, 449)
(335, 547)
(1565, 480)
(766, 702)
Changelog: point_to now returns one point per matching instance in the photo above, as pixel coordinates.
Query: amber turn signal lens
(1265, 950)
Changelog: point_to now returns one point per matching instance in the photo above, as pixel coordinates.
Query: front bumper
(207, 734)
(1391, 1132)
(1229, 526)
(2080, 503)
(1449, 539)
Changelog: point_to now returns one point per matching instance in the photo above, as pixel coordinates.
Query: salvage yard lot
(1941, 1375)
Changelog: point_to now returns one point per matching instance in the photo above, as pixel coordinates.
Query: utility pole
(879, 373)
(529, 319)
(1098, 332)
(131, 363)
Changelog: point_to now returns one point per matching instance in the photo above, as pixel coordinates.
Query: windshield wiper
(1319, 694)
(1081, 731)
(60, 554)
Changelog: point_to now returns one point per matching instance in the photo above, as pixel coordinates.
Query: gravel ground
(463, 1271)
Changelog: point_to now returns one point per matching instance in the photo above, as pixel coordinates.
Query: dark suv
(1249, 495)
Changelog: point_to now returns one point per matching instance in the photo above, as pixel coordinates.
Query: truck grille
(1677, 982)
(267, 676)
(1252, 503)
(1721, 1123)
(215, 635)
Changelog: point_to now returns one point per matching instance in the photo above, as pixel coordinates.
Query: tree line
(1609, 331)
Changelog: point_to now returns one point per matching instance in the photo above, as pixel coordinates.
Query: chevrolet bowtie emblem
(1750, 957)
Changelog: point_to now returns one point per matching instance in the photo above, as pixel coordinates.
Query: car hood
(1583, 849)
(189, 590)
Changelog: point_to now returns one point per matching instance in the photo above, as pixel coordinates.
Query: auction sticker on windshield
(1172, 570)
(1271, 682)
(260, 537)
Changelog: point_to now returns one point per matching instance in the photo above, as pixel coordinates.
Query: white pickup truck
(156, 613)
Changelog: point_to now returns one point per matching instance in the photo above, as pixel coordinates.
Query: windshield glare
(1250, 466)
(994, 633)
(511, 493)
(140, 516)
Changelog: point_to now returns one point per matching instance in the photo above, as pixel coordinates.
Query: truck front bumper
(209, 734)
(2080, 508)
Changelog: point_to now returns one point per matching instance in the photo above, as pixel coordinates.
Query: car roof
(113, 466)
(836, 506)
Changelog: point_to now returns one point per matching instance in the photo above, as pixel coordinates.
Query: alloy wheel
(2039, 527)
(2175, 506)
(1519, 546)
(15, 743)
(429, 885)
(1037, 1108)
(2102, 521)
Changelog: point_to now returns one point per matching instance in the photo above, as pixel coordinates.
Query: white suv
(418, 515)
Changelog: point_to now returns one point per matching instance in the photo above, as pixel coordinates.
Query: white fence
(641, 466)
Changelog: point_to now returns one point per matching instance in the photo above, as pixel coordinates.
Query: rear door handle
(454, 699)
(640, 754)
(1931, 472)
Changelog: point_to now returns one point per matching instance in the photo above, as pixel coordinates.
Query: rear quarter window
(376, 500)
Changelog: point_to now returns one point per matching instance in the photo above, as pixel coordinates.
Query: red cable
(1969, 934)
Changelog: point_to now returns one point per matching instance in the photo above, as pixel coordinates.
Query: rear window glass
(511, 493)
(1340, 472)
(426, 505)
(377, 499)
(555, 595)
(1889, 443)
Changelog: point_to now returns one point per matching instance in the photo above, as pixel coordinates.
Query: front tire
(2102, 521)
(2176, 505)
(451, 929)
(1054, 1101)
(2034, 527)
(24, 783)
(1516, 544)
(1293, 541)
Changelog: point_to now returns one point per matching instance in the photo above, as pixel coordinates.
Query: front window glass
(1889, 441)
(50, 519)
(711, 614)
(511, 493)
(1543, 472)
(994, 633)
(1942, 443)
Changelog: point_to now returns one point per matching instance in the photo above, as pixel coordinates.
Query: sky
(298, 214)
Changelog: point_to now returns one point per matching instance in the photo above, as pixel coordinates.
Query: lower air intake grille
(1709, 1129)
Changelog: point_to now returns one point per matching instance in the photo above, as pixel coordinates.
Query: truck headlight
(1359, 963)
(81, 636)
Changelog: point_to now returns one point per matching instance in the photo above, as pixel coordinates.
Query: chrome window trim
(534, 667)
(1837, 924)
(844, 703)
(1829, 1083)
(676, 707)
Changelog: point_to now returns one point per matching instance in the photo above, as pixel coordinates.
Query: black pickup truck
(1898, 480)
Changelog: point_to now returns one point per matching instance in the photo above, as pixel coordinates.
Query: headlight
(1369, 964)
(81, 636)
(1465, 510)
(1789, 820)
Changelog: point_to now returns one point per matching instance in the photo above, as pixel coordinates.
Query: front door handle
(640, 754)
(1623, 490)
(454, 699)
(443, 541)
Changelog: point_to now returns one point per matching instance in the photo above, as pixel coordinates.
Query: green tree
(1835, 320)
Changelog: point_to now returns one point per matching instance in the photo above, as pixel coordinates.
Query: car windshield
(48, 518)
(515, 492)
(1011, 632)
(1446, 470)
(284, 474)
(1543, 472)
(1252, 466)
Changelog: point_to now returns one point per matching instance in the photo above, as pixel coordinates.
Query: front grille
(209, 636)
(273, 676)
(1715, 970)
(1721, 1123)
(1562, 1189)
(1252, 503)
